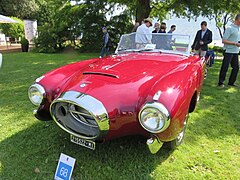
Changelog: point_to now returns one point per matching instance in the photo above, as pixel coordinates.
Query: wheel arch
(193, 102)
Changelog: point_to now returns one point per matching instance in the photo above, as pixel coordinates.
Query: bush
(85, 21)
(46, 41)
(24, 41)
(217, 49)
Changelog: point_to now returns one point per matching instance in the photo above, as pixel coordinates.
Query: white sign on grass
(65, 167)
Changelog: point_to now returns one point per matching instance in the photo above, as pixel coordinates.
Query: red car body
(122, 84)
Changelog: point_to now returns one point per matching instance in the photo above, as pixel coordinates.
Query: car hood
(117, 77)
(123, 68)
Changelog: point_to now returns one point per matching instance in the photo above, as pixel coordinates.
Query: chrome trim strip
(157, 95)
(93, 106)
(162, 109)
(84, 122)
(76, 112)
(39, 79)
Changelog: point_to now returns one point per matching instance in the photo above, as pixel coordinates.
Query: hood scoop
(101, 74)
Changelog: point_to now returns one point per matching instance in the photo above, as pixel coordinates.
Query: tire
(172, 145)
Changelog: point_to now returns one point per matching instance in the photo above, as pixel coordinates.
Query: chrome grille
(81, 115)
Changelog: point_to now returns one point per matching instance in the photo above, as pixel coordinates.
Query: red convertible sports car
(146, 88)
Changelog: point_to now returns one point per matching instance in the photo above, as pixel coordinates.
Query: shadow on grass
(33, 153)
(217, 114)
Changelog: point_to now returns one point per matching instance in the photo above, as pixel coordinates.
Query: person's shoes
(221, 85)
(233, 85)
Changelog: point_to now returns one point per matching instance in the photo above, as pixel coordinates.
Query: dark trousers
(229, 58)
(103, 51)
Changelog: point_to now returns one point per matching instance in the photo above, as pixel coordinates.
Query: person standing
(105, 47)
(155, 36)
(170, 41)
(163, 27)
(173, 28)
(202, 39)
(143, 34)
(156, 28)
(231, 40)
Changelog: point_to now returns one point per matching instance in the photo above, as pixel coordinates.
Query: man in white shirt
(143, 34)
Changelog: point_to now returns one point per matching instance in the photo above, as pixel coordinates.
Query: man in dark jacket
(202, 39)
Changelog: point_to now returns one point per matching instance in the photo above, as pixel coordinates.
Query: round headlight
(154, 117)
(36, 94)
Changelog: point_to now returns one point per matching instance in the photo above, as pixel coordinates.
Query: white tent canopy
(5, 19)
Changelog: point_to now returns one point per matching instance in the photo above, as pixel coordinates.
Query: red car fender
(176, 92)
(54, 81)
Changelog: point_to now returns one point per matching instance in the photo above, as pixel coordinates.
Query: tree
(84, 20)
(141, 9)
(48, 9)
(23, 9)
(222, 13)
(119, 25)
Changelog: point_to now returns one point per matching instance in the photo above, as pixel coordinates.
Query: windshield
(156, 42)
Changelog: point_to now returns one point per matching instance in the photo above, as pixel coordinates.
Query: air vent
(101, 74)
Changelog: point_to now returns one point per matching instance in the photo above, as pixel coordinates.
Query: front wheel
(178, 141)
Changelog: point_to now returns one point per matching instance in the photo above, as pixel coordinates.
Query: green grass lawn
(29, 149)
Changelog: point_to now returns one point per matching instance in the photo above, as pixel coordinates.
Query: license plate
(82, 142)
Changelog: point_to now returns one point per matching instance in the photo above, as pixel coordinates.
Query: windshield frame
(186, 46)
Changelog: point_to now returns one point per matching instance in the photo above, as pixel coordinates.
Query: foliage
(14, 30)
(141, 9)
(222, 13)
(30, 148)
(24, 41)
(82, 21)
(47, 40)
(55, 26)
(119, 25)
(90, 23)
(31, 9)
(216, 49)
(19, 8)
(47, 10)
